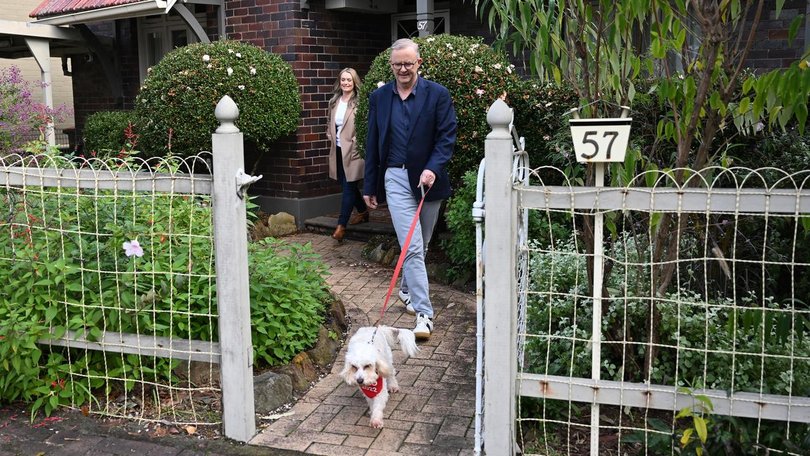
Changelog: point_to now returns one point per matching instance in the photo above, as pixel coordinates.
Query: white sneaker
(405, 297)
(424, 326)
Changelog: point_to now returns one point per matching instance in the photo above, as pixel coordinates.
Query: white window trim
(164, 24)
(443, 13)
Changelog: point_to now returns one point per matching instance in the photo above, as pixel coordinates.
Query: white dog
(369, 364)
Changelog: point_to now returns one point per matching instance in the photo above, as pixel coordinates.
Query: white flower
(206, 58)
(208, 66)
(479, 92)
(239, 55)
(241, 87)
(133, 248)
(478, 69)
(230, 51)
(497, 66)
(509, 69)
(252, 70)
(430, 40)
(449, 46)
(230, 71)
(380, 84)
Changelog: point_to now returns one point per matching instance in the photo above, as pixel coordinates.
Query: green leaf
(700, 427)
(779, 5)
(793, 30)
(686, 437)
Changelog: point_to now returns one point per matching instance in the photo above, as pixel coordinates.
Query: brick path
(431, 415)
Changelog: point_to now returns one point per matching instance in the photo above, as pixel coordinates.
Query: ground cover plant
(98, 261)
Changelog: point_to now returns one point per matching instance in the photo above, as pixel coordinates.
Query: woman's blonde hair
(337, 92)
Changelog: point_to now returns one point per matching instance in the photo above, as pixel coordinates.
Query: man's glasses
(400, 65)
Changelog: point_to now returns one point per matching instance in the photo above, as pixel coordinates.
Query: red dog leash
(402, 253)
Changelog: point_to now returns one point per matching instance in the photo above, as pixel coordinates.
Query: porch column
(424, 17)
(41, 50)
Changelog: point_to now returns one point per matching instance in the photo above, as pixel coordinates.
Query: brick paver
(431, 415)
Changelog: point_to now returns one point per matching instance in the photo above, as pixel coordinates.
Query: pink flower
(479, 92)
(133, 247)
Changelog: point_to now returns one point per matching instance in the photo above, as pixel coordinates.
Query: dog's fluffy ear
(383, 368)
(347, 374)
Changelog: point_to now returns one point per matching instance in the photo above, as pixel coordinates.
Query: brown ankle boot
(360, 217)
(340, 231)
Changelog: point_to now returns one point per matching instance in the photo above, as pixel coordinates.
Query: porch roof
(69, 12)
(55, 7)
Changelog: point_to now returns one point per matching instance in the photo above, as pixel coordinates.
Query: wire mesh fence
(704, 329)
(107, 286)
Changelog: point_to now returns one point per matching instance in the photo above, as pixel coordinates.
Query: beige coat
(353, 164)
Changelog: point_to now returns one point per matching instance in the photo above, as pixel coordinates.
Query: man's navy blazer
(430, 144)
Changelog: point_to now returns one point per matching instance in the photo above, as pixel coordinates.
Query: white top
(340, 115)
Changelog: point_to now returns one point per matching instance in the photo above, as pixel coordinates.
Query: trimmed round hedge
(176, 103)
(474, 73)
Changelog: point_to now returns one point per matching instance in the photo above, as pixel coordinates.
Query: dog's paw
(377, 423)
(393, 389)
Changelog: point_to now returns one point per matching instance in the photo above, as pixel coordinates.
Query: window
(406, 26)
(160, 34)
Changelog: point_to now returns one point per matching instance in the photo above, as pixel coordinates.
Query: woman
(345, 164)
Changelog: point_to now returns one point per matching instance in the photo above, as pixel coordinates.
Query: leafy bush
(475, 74)
(460, 247)
(62, 268)
(540, 118)
(176, 103)
(104, 131)
(21, 117)
(288, 294)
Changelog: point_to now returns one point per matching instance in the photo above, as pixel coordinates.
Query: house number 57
(586, 139)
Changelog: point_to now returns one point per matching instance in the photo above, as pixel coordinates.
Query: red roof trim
(57, 7)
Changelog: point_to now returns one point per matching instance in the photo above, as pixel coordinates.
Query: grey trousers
(402, 206)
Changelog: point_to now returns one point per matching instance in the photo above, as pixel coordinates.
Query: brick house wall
(90, 82)
(318, 44)
(771, 48)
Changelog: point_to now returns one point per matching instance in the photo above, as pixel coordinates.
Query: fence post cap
(499, 117)
(226, 113)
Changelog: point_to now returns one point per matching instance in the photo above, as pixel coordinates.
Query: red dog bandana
(372, 390)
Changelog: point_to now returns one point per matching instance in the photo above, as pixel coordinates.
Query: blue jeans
(351, 193)
(402, 206)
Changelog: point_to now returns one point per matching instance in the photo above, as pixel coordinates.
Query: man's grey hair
(404, 43)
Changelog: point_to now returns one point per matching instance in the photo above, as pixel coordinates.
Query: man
(411, 134)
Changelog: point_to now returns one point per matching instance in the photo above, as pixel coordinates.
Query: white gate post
(233, 297)
(500, 286)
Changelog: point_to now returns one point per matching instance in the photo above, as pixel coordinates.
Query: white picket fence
(560, 364)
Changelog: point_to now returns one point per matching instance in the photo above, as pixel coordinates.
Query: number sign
(600, 140)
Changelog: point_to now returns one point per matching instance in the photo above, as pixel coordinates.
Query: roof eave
(143, 8)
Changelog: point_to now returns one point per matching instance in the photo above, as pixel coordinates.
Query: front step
(362, 232)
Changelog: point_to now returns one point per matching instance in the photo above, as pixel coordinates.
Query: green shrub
(475, 74)
(547, 229)
(104, 131)
(540, 118)
(288, 296)
(178, 97)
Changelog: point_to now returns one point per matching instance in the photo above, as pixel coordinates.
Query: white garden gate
(740, 355)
